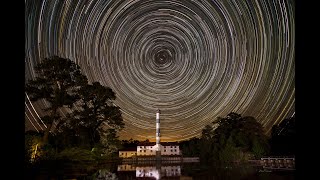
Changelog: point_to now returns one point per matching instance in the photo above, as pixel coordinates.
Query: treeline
(87, 130)
(235, 138)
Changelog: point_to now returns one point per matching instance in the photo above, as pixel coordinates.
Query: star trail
(195, 60)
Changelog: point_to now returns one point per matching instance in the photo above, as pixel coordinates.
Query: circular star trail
(195, 60)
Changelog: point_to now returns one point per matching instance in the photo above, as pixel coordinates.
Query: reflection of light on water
(171, 170)
(104, 174)
(152, 171)
(147, 172)
(126, 167)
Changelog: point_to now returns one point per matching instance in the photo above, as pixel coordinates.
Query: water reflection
(103, 174)
(191, 171)
(156, 171)
(194, 171)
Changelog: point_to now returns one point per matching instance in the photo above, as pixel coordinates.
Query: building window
(171, 146)
(165, 150)
(121, 153)
(144, 151)
(140, 150)
(151, 150)
(175, 150)
(165, 146)
(171, 150)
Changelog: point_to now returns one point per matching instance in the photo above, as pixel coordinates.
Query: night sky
(195, 60)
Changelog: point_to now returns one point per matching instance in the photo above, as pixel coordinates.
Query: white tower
(158, 150)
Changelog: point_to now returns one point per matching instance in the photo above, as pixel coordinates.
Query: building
(166, 149)
(153, 148)
(128, 152)
(149, 149)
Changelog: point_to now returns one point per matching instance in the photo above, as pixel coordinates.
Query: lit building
(128, 152)
(166, 149)
(152, 148)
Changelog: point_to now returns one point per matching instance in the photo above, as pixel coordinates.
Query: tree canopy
(92, 120)
(232, 138)
(57, 82)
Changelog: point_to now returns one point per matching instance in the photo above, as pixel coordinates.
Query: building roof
(162, 143)
(169, 144)
(129, 149)
(146, 143)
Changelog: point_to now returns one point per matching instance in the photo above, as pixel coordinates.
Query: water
(193, 171)
(185, 171)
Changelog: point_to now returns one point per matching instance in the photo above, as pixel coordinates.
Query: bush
(76, 154)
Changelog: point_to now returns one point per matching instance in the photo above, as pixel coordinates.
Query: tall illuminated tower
(158, 150)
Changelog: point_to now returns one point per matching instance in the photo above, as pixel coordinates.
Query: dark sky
(195, 60)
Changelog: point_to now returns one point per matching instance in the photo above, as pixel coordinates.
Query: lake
(157, 171)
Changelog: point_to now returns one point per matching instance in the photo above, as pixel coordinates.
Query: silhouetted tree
(94, 109)
(129, 143)
(283, 137)
(191, 147)
(57, 82)
(233, 138)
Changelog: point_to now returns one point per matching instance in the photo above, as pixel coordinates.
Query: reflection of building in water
(171, 171)
(126, 167)
(152, 171)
